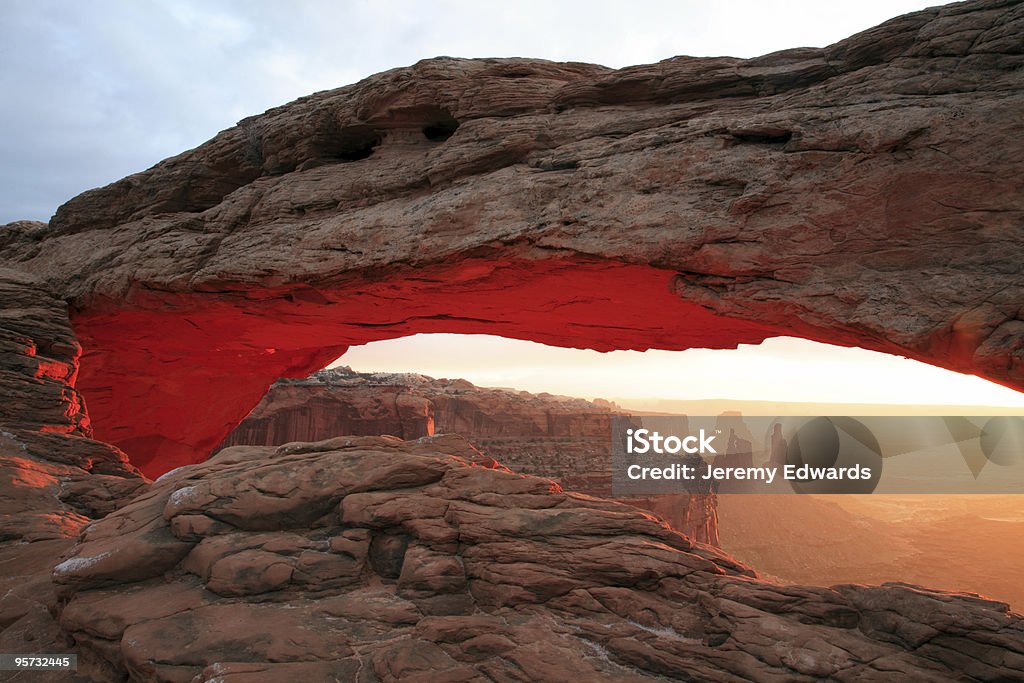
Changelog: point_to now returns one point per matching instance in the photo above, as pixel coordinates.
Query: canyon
(955, 543)
(868, 193)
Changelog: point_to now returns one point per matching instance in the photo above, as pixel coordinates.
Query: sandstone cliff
(558, 437)
(54, 479)
(341, 401)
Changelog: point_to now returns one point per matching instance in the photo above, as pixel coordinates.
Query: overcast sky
(93, 91)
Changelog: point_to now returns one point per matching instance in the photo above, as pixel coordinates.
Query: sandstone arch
(869, 193)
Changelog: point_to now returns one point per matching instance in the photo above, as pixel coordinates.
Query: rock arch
(869, 193)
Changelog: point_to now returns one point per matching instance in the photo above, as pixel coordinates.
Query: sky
(783, 369)
(94, 91)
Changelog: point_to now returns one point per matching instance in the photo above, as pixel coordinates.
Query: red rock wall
(313, 413)
(170, 379)
(53, 476)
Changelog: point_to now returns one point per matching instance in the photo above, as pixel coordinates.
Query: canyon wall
(565, 439)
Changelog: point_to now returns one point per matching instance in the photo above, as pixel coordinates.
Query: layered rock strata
(54, 478)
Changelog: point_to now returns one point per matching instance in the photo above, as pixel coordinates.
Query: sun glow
(782, 369)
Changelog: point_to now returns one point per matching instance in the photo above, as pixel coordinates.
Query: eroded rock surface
(374, 559)
(558, 437)
(53, 476)
(54, 479)
(868, 193)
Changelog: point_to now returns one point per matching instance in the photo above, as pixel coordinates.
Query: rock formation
(53, 476)
(564, 439)
(54, 479)
(341, 401)
(374, 559)
(869, 193)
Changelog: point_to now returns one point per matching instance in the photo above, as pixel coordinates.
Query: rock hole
(441, 130)
(387, 553)
(349, 144)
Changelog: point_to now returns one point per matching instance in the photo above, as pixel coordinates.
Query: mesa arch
(869, 193)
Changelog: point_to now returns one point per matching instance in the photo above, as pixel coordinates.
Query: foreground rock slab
(376, 559)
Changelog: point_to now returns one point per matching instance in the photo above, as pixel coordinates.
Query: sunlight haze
(780, 369)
